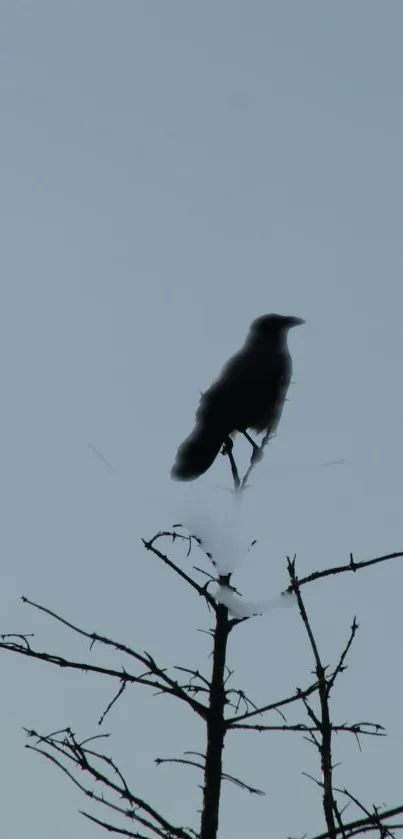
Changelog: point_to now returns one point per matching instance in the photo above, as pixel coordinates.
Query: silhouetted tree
(221, 707)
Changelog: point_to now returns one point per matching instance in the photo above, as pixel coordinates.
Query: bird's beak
(296, 322)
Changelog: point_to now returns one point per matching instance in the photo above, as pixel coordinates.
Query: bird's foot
(256, 455)
(257, 451)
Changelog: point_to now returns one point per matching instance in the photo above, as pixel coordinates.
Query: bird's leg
(257, 452)
(227, 447)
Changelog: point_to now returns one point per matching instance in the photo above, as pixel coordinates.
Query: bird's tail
(197, 453)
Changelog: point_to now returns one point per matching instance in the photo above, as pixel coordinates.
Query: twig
(165, 684)
(201, 590)
(341, 663)
(341, 569)
(232, 722)
(225, 776)
(364, 825)
(112, 828)
(139, 811)
(112, 702)
(355, 728)
(325, 727)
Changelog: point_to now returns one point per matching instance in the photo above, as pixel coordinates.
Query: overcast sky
(169, 171)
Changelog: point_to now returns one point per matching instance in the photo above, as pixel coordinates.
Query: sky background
(169, 171)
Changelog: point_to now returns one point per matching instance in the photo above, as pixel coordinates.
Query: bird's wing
(247, 378)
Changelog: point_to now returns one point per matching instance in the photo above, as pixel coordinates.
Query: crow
(248, 394)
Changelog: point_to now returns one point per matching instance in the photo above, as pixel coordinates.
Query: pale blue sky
(169, 171)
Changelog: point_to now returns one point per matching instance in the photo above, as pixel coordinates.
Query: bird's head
(270, 325)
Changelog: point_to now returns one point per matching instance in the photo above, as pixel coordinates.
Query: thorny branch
(225, 776)
(233, 722)
(370, 823)
(150, 546)
(65, 746)
(322, 723)
(342, 569)
(216, 729)
(161, 682)
(369, 729)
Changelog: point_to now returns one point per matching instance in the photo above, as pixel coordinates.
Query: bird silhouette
(248, 394)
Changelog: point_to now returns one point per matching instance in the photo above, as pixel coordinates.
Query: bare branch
(163, 682)
(172, 689)
(364, 825)
(225, 776)
(341, 663)
(216, 729)
(112, 702)
(194, 673)
(23, 639)
(325, 728)
(201, 590)
(341, 569)
(274, 706)
(82, 758)
(368, 729)
(112, 829)
(372, 816)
